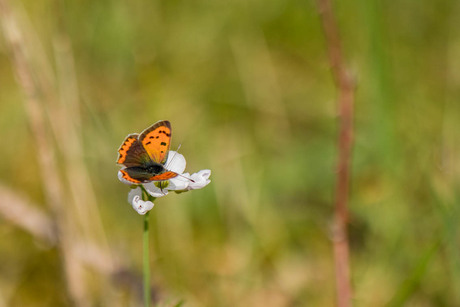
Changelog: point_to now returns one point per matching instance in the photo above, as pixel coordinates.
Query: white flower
(141, 206)
(183, 182)
(196, 180)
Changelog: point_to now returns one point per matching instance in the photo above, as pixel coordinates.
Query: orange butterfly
(145, 154)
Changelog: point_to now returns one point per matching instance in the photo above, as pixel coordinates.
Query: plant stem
(146, 261)
(147, 298)
(345, 86)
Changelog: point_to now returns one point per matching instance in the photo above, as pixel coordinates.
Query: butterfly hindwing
(132, 153)
(156, 140)
(125, 175)
(164, 176)
(138, 174)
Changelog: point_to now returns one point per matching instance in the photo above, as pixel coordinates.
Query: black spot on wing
(164, 132)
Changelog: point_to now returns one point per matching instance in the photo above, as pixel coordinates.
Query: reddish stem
(345, 87)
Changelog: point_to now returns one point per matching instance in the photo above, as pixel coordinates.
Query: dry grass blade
(45, 152)
(21, 212)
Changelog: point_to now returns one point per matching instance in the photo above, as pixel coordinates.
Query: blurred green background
(248, 89)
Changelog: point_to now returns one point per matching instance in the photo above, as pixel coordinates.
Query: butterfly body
(144, 155)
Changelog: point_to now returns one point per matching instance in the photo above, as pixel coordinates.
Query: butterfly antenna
(186, 177)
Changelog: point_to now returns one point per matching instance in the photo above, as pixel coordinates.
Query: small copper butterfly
(145, 154)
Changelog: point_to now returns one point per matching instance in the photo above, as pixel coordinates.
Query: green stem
(146, 261)
(147, 298)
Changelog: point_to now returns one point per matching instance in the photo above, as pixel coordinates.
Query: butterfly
(144, 155)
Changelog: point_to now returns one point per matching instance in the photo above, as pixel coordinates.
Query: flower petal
(155, 191)
(179, 183)
(200, 179)
(141, 206)
(134, 192)
(175, 162)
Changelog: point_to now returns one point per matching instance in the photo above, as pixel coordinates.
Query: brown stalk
(346, 87)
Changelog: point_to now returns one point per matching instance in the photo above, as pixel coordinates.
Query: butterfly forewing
(156, 140)
(131, 152)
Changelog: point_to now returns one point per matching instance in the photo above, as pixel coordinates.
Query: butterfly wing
(127, 176)
(164, 176)
(139, 175)
(132, 153)
(156, 140)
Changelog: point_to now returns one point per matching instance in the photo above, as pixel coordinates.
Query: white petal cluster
(182, 183)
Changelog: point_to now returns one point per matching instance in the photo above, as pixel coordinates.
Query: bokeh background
(248, 89)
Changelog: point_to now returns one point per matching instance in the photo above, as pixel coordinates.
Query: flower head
(183, 182)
